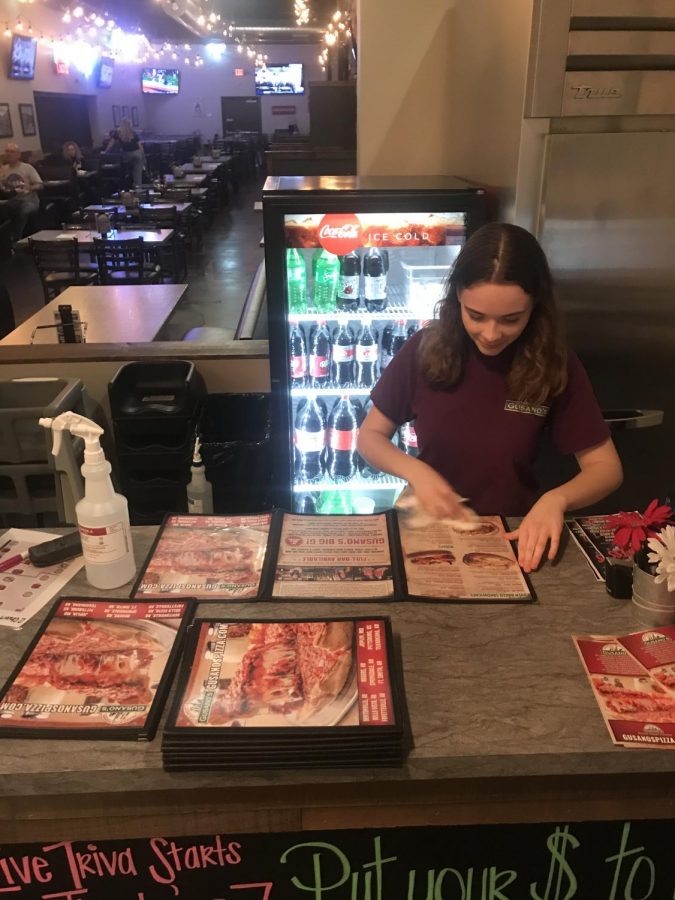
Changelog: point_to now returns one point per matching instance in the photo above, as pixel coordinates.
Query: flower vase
(653, 603)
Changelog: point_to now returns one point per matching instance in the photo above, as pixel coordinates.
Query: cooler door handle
(622, 419)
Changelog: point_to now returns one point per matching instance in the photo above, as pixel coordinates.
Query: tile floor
(219, 274)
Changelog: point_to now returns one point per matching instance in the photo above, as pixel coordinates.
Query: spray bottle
(102, 515)
(199, 490)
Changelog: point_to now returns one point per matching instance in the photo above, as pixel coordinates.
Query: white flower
(663, 554)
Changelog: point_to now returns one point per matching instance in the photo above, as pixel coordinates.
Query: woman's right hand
(435, 495)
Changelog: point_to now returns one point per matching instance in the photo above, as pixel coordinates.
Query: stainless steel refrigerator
(596, 183)
(354, 266)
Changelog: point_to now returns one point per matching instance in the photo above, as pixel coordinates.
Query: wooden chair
(172, 252)
(126, 262)
(58, 264)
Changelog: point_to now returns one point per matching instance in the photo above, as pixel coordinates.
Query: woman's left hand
(542, 524)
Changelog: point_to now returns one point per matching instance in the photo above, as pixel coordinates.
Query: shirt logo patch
(520, 406)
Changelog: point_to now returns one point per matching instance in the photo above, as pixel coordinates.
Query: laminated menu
(595, 538)
(633, 679)
(96, 669)
(288, 556)
(207, 557)
(443, 562)
(286, 693)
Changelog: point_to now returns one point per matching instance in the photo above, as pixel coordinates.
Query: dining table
(193, 179)
(85, 237)
(206, 168)
(111, 314)
(181, 207)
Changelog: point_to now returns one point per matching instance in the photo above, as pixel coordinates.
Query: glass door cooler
(354, 267)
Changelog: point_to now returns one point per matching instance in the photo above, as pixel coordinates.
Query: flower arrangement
(634, 533)
(663, 555)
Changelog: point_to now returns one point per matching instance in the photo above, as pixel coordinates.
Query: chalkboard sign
(588, 861)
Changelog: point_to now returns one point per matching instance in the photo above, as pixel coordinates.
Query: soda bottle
(298, 354)
(385, 357)
(408, 439)
(336, 503)
(297, 281)
(343, 356)
(412, 328)
(306, 503)
(348, 286)
(399, 337)
(366, 356)
(375, 280)
(326, 281)
(319, 356)
(310, 439)
(341, 440)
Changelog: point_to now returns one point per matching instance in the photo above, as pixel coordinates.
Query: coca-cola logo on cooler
(340, 233)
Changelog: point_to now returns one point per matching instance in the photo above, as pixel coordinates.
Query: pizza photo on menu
(95, 666)
(272, 673)
(207, 557)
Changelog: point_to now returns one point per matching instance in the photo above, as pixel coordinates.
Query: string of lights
(90, 35)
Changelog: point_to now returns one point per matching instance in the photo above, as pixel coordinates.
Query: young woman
(481, 383)
(72, 155)
(132, 149)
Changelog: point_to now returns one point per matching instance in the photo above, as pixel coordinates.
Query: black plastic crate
(156, 390)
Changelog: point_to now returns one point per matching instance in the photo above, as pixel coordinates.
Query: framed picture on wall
(27, 116)
(125, 112)
(117, 116)
(135, 121)
(6, 129)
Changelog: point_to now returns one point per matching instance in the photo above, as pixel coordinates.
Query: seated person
(19, 186)
(72, 155)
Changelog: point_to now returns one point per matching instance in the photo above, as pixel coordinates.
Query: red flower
(631, 529)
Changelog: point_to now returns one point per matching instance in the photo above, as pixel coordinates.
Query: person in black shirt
(132, 150)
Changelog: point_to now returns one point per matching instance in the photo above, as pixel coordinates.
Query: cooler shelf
(382, 483)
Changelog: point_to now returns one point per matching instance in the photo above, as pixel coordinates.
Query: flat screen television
(286, 79)
(22, 57)
(105, 72)
(160, 81)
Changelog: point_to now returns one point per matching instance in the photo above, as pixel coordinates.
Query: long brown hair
(499, 253)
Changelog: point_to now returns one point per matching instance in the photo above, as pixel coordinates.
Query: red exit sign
(238, 73)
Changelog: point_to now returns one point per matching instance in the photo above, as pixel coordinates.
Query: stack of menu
(286, 694)
(633, 679)
(96, 669)
(306, 557)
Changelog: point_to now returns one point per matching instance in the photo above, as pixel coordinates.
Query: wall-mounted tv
(286, 79)
(105, 72)
(22, 57)
(160, 81)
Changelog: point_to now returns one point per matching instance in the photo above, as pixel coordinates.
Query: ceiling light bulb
(78, 12)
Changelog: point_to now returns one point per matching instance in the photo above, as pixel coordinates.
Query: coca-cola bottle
(399, 337)
(375, 280)
(306, 503)
(298, 354)
(310, 439)
(408, 439)
(412, 328)
(319, 356)
(341, 441)
(348, 285)
(343, 356)
(385, 356)
(366, 356)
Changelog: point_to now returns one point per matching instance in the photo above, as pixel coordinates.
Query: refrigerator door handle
(622, 419)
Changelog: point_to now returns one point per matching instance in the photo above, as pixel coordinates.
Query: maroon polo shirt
(473, 434)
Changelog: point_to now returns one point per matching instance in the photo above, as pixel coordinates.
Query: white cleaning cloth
(415, 517)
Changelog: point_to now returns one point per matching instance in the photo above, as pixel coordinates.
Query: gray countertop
(492, 691)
